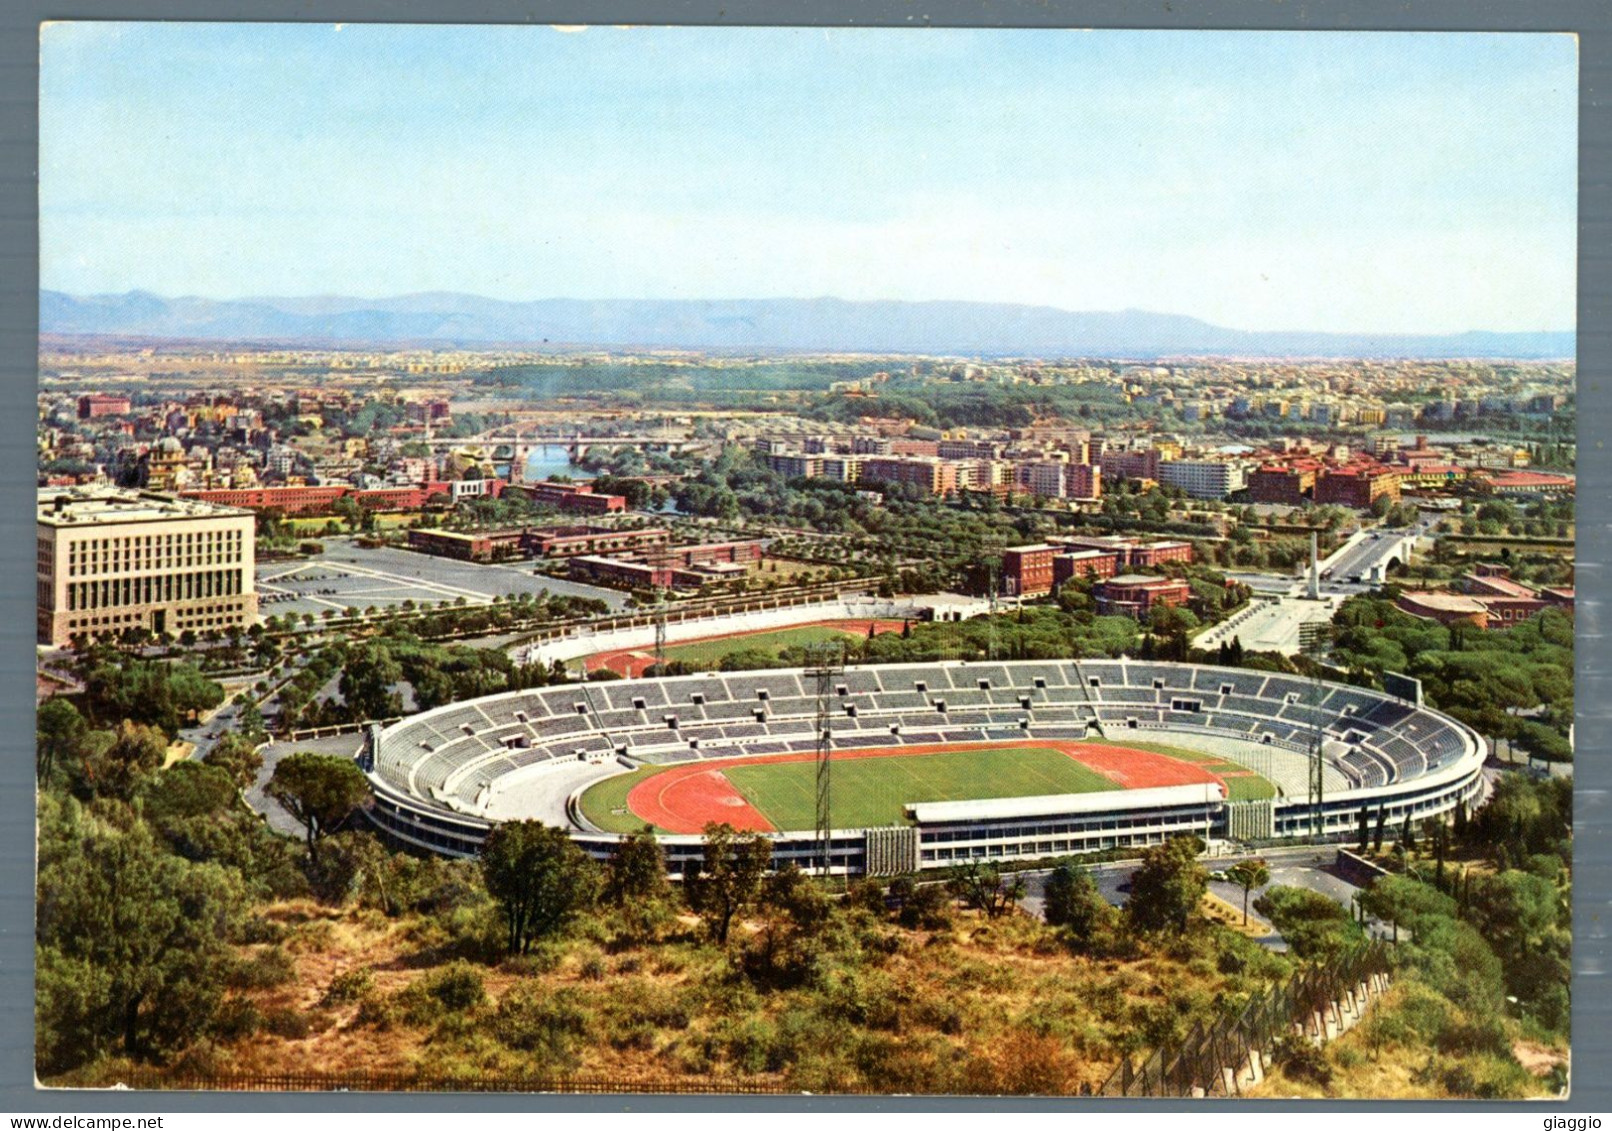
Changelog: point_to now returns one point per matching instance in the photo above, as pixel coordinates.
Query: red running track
(685, 798)
(633, 662)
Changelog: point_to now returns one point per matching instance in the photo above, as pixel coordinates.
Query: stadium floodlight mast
(994, 571)
(825, 661)
(1313, 646)
(660, 630)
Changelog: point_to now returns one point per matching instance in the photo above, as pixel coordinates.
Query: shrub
(800, 1033)
(284, 1021)
(260, 929)
(866, 895)
(1458, 1080)
(1302, 1060)
(380, 1013)
(541, 960)
(924, 906)
(1028, 1064)
(349, 986)
(747, 1044)
(457, 986)
(236, 1019)
(548, 1026)
(661, 1006)
(1467, 1035)
(265, 970)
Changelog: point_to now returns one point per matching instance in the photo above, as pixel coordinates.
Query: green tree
(983, 887)
(346, 508)
(1168, 887)
(368, 682)
(114, 763)
(540, 878)
(635, 881)
(1072, 902)
(147, 691)
(60, 731)
(730, 878)
(319, 790)
(1248, 875)
(185, 790)
(238, 756)
(1314, 925)
(132, 943)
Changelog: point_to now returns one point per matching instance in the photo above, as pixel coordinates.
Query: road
(347, 575)
(1272, 622)
(1302, 866)
(343, 745)
(1367, 554)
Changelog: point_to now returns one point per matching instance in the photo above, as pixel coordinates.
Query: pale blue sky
(1319, 181)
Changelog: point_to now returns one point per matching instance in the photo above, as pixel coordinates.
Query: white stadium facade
(444, 778)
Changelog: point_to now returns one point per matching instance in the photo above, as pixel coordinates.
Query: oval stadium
(931, 765)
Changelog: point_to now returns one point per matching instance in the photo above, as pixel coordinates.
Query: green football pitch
(868, 791)
(709, 653)
(872, 791)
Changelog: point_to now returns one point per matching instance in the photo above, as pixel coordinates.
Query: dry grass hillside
(998, 1006)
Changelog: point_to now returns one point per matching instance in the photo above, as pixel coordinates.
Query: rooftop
(1142, 579)
(1058, 804)
(87, 506)
(1444, 602)
(1527, 479)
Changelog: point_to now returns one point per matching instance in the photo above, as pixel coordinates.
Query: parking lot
(349, 576)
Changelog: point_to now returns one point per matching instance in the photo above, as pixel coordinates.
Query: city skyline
(1335, 182)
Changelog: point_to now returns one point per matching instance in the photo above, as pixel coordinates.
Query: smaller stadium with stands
(932, 764)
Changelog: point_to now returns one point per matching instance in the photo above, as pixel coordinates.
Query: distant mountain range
(742, 325)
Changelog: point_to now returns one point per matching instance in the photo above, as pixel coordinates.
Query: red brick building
(1288, 484)
(102, 404)
(1084, 563)
(1136, 595)
(1489, 579)
(579, 498)
(480, 546)
(713, 553)
(1131, 465)
(572, 541)
(1491, 600)
(1083, 481)
(1027, 570)
(620, 572)
(1132, 554)
(318, 500)
(1446, 608)
(1525, 483)
(1357, 486)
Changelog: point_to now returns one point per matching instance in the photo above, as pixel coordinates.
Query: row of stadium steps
(1372, 739)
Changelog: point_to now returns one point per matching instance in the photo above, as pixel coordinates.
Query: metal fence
(1212, 1060)
(153, 1079)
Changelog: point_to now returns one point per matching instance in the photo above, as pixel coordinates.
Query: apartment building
(935, 476)
(1203, 478)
